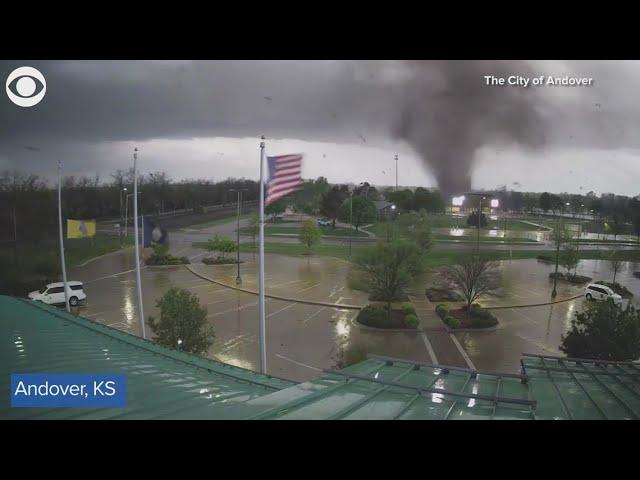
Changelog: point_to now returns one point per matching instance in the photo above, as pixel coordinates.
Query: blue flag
(154, 234)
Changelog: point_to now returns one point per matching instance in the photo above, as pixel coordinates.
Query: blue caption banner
(79, 390)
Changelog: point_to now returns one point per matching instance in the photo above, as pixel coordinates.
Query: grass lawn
(448, 221)
(339, 251)
(294, 230)
(599, 241)
(34, 263)
(435, 258)
(472, 238)
(79, 250)
(220, 221)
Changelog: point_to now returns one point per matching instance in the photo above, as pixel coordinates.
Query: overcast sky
(203, 119)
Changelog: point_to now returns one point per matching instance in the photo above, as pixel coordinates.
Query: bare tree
(473, 276)
(615, 262)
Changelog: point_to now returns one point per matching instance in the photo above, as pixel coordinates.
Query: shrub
(604, 331)
(161, 256)
(411, 320)
(452, 322)
(545, 258)
(183, 322)
(408, 308)
(442, 310)
(374, 316)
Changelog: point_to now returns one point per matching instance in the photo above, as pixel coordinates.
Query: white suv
(595, 291)
(53, 294)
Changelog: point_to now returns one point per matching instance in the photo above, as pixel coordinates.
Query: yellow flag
(81, 228)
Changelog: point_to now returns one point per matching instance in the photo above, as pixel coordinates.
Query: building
(167, 384)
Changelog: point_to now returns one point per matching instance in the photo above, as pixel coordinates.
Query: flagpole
(137, 245)
(263, 346)
(64, 270)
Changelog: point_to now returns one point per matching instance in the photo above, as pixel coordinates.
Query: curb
(103, 255)
(275, 297)
(535, 304)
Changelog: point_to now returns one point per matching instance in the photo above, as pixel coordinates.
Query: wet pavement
(534, 329)
(304, 339)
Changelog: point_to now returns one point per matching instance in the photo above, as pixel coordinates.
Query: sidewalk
(443, 347)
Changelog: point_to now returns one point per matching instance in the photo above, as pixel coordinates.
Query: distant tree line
(28, 204)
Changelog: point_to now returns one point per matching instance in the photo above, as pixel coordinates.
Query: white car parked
(595, 291)
(53, 294)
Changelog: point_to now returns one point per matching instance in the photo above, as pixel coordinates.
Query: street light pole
(396, 157)
(137, 247)
(350, 220)
(62, 262)
(123, 189)
(559, 226)
(478, 231)
(239, 192)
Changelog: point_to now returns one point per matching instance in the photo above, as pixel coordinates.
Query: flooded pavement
(534, 329)
(304, 339)
(301, 339)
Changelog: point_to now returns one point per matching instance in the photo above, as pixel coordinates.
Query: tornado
(447, 112)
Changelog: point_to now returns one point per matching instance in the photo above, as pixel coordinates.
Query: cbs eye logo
(26, 86)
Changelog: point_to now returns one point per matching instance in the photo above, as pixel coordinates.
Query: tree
(331, 202)
(389, 268)
(222, 245)
(403, 199)
(364, 211)
(569, 258)
(253, 229)
(615, 225)
(634, 206)
(545, 202)
(604, 331)
(310, 234)
(473, 276)
(183, 322)
(416, 228)
(560, 236)
(276, 208)
(472, 220)
(615, 262)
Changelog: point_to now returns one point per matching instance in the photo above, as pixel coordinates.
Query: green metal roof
(164, 383)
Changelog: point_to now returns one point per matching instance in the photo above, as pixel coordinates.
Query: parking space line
(237, 309)
(522, 314)
(298, 363)
(308, 288)
(427, 343)
(222, 300)
(281, 310)
(314, 314)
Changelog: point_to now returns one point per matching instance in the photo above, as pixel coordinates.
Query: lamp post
(396, 158)
(558, 241)
(481, 196)
(239, 192)
(126, 210)
(457, 202)
(350, 219)
(124, 189)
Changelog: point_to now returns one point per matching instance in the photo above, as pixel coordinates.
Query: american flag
(284, 176)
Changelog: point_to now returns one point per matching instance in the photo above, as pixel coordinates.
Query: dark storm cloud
(448, 112)
(442, 109)
(105, 101)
